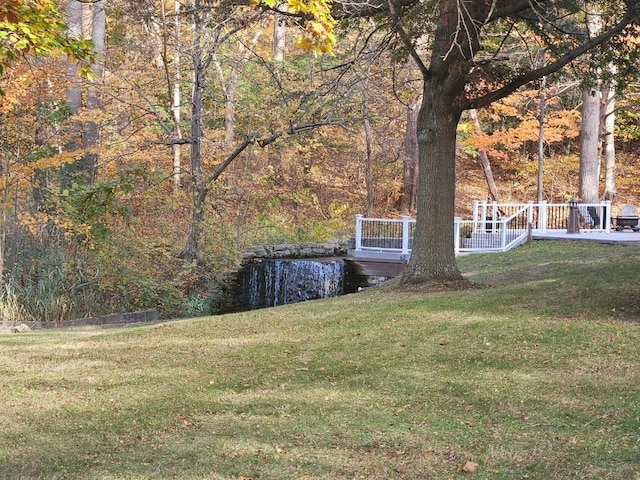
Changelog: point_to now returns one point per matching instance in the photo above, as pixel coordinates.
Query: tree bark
(408, 193)
(433, 256)
(197, 188)
(484, 159)
(91, 130)
(368, 166)
(176, 99)
(74, 31)
(589, 143)
(279, 36)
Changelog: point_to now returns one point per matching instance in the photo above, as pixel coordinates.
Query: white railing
(494, 227)
(493, 234)
(544, 216)
(393, 235)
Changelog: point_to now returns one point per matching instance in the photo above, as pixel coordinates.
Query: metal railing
(494, 227)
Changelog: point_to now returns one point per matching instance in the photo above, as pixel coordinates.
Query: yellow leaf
(470, 467)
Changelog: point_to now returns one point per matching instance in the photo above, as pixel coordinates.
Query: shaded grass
(535, 376)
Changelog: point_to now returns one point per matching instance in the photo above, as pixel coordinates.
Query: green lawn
(534, 376)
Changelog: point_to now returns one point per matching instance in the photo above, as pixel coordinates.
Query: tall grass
(534, 375)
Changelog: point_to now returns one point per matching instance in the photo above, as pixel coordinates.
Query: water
(278, 282)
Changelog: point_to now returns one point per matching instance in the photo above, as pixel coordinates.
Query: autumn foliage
(76, 244)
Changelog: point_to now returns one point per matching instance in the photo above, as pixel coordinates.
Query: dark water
(278, 282)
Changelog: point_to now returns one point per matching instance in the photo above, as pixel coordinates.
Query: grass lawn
(536, 375)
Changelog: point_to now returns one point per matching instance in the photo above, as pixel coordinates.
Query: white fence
(494, 227)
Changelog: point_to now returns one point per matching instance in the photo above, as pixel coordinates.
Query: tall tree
(590, 128)
(454, 81)
(589, 146)
(607, 122)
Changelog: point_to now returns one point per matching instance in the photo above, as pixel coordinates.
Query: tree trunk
(176, 100)
(197, 189)
(92, 133)
(409, 189)
(608, 145)
(368, 166)
(433, 256)
(589, 143)
(74, 31)
(229, 84)
(279, 37)
(484, 159)
(590, 128)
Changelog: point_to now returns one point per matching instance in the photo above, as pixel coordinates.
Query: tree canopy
(37, 27)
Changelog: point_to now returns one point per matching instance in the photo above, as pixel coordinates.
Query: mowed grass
(535, 375)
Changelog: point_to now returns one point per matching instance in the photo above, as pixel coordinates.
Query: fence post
(529, 213)
(475, 215)
(503, 235)
(607, 216)
(542, 216)
(358, 232)
(405, 235)
(456, 232)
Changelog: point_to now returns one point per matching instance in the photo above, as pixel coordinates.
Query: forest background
(136, 179)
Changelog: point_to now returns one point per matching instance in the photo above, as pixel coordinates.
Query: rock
(22, 328)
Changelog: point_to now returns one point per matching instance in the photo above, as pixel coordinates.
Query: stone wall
(294, 251)
(105, 320)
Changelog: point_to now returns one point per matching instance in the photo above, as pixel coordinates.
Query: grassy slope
(535, 376)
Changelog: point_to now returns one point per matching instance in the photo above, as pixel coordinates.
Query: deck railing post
(456, 232)
(607, 216)
(483, 215)
(529, 213)
(503, 235)
(405, 235)
(542, 216)
(494, 215)
(358, 246)
(475, 215)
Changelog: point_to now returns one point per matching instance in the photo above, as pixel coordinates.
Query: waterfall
(278, 282)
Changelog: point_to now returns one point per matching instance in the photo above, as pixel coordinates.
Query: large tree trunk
(589, 152)
(590, 128)
(433, 256)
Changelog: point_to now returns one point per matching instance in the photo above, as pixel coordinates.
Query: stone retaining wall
(293, 251)
(115, 319)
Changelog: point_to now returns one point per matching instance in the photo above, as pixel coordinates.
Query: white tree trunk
(176, 99)
(608, 145)
(279, 37)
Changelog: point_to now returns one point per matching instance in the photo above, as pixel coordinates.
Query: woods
(147, 145)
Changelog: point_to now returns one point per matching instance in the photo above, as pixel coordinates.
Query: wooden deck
(376, 267)
(393, 264)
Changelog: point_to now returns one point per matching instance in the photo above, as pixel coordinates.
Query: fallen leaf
(470, 467)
